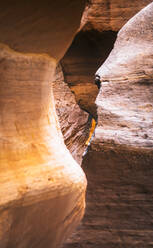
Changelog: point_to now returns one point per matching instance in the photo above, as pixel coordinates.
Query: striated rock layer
(102, 15)
(42, 189)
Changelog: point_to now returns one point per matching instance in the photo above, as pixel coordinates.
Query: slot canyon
(76, 160)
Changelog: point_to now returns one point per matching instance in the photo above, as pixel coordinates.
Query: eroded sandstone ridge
(42, 189)
(125, 102)
(119, 162)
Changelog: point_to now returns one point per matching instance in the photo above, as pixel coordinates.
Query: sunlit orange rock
(105, 15)
(42, 189)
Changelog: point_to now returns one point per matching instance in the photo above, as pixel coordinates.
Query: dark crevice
(87, 52)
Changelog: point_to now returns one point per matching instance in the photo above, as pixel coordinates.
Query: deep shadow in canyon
(86, 53)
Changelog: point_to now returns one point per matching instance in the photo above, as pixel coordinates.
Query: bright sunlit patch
(92, 129)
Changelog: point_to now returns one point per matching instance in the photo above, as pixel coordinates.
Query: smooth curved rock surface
(38, 26)
(38, 174)
(42, 189)
(125, 103)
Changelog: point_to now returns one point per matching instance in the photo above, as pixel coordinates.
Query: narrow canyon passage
(71, 152)
(86, 53)
(119, 162)
(75, 90)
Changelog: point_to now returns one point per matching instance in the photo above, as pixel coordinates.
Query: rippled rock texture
(42, 188)
(119, 162)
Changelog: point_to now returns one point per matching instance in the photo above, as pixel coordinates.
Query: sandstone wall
(40, 26)
(105, 15)
(119, 162)
(42, 189)
(74, 122)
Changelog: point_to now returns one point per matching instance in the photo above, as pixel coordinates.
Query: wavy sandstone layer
(42, 189)
(38, 174)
